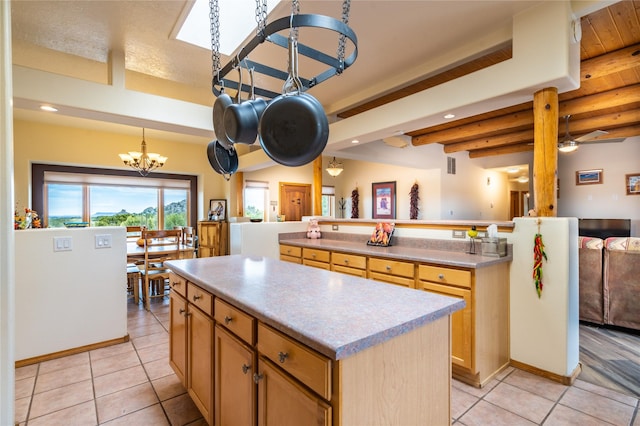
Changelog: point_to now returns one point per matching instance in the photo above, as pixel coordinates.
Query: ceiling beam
(502, 150)
(610, 63)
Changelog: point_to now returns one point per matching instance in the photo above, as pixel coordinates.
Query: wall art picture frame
(217, 209)
(632, 182)
(384, 200)
(589, 177)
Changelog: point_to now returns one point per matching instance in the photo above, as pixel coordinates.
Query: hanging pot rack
(270, 34)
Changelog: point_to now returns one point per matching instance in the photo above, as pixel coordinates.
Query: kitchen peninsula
(278, 343)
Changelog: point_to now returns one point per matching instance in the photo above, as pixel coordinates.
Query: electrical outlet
(103, 241)
(458, 233)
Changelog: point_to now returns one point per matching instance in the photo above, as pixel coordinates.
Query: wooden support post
(317, 186)
(238, 184)
(545, 151)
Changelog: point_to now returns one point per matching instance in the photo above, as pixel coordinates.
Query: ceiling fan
(570, 144)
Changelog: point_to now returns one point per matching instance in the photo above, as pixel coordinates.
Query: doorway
(295, 201)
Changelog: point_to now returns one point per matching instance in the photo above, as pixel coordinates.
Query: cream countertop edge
(327, 311)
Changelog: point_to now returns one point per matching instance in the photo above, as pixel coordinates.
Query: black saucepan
(293, 129)
(241, 120)
(222, 103)
(223, 160)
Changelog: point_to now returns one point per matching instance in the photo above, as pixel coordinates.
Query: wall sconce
(488, 181)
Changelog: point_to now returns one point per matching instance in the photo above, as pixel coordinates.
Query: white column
(7, 273)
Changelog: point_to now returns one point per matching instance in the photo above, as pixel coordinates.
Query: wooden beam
(493, 142)
(624, 97)
(545, 152)
(317, 186)
(610, 63)
(501, 150)
(239, 193)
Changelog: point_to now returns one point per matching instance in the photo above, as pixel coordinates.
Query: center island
(258, 341)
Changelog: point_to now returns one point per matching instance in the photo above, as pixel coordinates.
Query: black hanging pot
(222, 103)
(241, 120)
(293, 128)
(223, 160)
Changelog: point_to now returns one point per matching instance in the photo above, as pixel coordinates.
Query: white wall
(606, 200)
(68, 299)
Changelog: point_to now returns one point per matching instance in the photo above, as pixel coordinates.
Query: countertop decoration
(413, 201)
(538, 255)
(354, 204)
(29, 220)
(382, 234)
(473, 233)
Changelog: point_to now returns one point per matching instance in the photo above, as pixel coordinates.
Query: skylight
(237, 22)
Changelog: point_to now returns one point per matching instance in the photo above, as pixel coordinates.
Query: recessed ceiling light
(355, 141)
(48, 108)
(449, 116)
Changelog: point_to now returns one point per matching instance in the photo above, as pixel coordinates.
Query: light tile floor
(132, 384)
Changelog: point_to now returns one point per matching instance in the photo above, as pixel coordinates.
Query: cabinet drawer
(314, 254)
(350, 260)
(290, 251)
(178, 284)
(442, 275)
(291, 259)
(351, 271)
(392, 279)
(321, 265)
(234, 320)
(394, 267)
(200, 298)
(306, 365)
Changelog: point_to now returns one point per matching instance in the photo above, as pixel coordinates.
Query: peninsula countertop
(336, 314)
(402, 252)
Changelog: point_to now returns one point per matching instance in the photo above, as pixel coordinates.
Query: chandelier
(335, 167)
(143, 162)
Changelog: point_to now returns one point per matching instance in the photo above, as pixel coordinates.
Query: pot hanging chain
(342, 42)
(261, 17)
(214, 20)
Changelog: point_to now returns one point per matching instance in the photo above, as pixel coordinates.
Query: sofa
(621, 282)
(591, 291)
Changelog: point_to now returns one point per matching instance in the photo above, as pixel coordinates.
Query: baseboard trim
(72, 351)
(565, 380)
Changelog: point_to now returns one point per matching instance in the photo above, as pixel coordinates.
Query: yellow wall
(45, 143)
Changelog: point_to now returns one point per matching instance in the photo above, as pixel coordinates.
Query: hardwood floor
(610, 358)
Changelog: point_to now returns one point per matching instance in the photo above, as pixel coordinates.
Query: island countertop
(336, 314)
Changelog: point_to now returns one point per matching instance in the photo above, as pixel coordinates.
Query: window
(112, 197)
(256, 197)
(328, 201)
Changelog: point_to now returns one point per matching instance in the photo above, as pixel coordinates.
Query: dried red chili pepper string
(538, 255)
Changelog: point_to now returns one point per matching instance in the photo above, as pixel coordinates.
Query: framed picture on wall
(588, 177)
(384, 200)
(633, 184)
(218, 209)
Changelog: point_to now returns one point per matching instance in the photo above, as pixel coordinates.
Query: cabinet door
(235, 390)
(200, 361)
(461, 324)
(178, 336)
(284, 402)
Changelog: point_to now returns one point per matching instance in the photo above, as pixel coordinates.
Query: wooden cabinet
(235, 389)
(351, 264)
(191, 342)
(316, 258)
(392, 271)
(213, 238)
(479, 332)
(290, 253)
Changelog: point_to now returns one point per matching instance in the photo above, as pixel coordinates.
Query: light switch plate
(103, 241)
(458, 233)
(62, 244)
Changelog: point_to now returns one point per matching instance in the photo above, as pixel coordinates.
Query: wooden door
(178, 336)
(295, 200)
(200, 365)
(282, 401)
(235, 390)
(515, 204)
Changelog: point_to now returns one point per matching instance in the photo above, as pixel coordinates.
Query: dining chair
(189, 239)
(159, 246)
(133, 234)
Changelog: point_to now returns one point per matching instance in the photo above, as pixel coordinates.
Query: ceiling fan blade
(612, 140)
(591, 135)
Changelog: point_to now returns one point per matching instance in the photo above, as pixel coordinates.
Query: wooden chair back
(134, 232)
(159, 246)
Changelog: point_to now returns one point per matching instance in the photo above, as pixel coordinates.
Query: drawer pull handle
(227, 319)
(346, 261)
(289, 251)
(257, 377)
(313, 255)
(196, 297)
(441, 276)
(175, 283)
(282, 356)
(245, 368)
(182, 311)
(388, 267)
